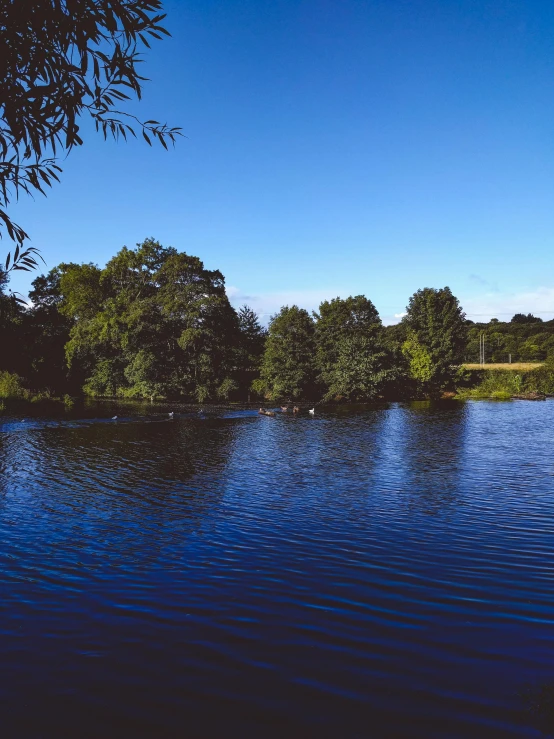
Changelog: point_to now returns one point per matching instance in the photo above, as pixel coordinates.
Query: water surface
(383, 571)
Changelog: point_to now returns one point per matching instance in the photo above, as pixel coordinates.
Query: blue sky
(334, 148)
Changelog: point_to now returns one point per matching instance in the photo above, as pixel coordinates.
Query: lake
(377, 571)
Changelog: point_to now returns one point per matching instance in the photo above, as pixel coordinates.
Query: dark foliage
(522, 318)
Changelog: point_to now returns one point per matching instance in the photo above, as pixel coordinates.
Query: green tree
(531, 351)
(436, 339)
(339, 319)
(153, 322)
(46, 334)
(198, 313)
(350, 353)
(361, 370)
(61, 60)
(249, 348)
(252, 337)
(288, 366)
(522, 318)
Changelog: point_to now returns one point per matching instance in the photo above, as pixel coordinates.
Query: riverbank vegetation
(155, 323)
(500, 384)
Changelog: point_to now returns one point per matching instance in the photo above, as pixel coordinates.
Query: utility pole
(482, 348)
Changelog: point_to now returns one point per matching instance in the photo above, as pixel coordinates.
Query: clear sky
(334, 148)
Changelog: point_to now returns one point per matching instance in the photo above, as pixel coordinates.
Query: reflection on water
(377, 571)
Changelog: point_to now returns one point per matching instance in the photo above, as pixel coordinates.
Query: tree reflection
(429, 438)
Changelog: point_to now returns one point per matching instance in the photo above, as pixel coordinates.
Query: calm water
(366, 572)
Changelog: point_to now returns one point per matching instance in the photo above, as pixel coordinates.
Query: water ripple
(387, 571)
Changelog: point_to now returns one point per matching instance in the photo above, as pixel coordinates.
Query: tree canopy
(288, 367)
(436, 338)
(61, 60)
(350, 355)
(522, 318)
(155, 322)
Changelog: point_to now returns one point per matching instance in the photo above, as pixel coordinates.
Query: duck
(311, 410)
(263, 412)
(284, 408)
(296, 409)
(114, 418)
(170, 414)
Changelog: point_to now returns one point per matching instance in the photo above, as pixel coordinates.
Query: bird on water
(170, 414)
(311, 410)
(114, 418)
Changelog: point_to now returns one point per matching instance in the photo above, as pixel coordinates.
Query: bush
(10, 386)
(541, 380)
(495, 384)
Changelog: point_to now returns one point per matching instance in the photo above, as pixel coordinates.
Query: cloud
(267, 304)
(492, 286)
(499, 305)
(400, 315)
(477, 278)
(232, 291)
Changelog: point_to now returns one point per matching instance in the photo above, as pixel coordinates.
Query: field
(513, 367)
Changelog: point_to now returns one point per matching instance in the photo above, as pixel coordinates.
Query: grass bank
(506, 367)
(503, 385)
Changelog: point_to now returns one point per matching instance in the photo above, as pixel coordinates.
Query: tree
(252, 336)
(339, 319)
(249, 348)
(361, 370)
(11, 318)
(436, 338)
(153, 322)
(288, 366)
(61, 60)
(196, 309)
(522, 318)
(46, 334)
(350, 356)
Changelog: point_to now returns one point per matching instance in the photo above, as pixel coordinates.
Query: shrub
(10, 386)
(541, 380)
(495, 384)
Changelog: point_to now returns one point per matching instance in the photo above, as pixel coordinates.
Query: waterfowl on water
(296, 409)
(284, 408)
(170, 414)
(114, 418)
(263, 412)
(311, 410)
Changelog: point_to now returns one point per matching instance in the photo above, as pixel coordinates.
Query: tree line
(154, 322)
(525, 338)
